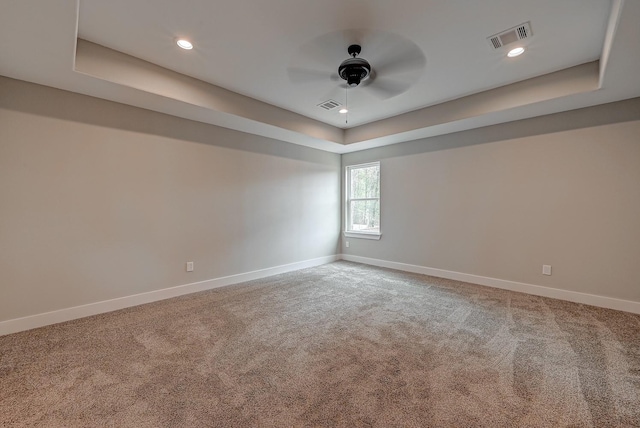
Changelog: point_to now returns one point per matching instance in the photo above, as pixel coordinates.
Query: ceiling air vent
(329, 105)
(512, 35)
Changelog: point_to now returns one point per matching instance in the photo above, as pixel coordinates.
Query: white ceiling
(244, 72)
(247, 47)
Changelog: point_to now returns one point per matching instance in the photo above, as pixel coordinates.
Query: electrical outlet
(347, 244)
(546, 269)
(189, 266)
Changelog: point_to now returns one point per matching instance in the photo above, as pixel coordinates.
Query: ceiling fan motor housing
(354, 70)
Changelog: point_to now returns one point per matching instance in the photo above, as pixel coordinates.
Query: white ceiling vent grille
(329, 105)
(512, 35)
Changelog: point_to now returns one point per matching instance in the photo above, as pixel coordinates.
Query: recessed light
(184, 44)
(343, 111)
(515, 52)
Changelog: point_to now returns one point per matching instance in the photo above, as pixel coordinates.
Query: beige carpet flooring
(340, 345)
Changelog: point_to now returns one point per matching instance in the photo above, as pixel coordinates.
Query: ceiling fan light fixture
(354, 70)
(343, 111)
(184, 44)
(515, 52)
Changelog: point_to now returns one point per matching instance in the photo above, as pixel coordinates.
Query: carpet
(339, 345)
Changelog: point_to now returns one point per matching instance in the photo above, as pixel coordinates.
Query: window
(363, 201)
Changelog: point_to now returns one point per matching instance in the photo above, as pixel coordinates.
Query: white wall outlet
(347, 244)
(189, 266)
(546, 269)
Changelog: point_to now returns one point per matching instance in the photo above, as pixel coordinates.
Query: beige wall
(502, 201)
(101, 200)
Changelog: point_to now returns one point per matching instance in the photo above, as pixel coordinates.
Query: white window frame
(347, 201)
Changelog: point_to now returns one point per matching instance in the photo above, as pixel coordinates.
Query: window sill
(363, 235)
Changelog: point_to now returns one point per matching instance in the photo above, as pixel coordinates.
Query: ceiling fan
(354, 70)
(394, 63)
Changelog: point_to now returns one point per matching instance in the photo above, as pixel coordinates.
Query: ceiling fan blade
(328, 50)
(373, 42)
(306, 75)
(385, 88)
(402, 58)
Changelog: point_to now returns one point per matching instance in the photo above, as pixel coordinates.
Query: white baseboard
(68, 314)
(537, 290)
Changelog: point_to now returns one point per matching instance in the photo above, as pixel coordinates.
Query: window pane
(365, 182)
(364, 216)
